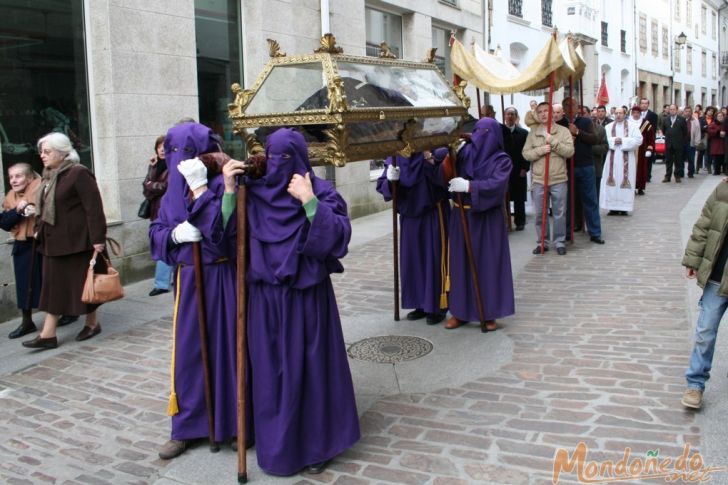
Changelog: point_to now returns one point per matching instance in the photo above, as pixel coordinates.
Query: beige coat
(562, 147)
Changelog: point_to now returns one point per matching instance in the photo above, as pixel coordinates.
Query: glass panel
(291, 88)
(373, 86)
(389, 130)
(441, 39)
(219, 64)
(42, 79)
(383, 27)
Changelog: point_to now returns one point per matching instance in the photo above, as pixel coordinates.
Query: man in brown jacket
(559, 143)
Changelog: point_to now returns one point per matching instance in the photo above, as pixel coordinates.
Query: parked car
(660, 147)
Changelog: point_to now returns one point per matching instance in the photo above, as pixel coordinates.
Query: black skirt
(27, 286)
(63, 280)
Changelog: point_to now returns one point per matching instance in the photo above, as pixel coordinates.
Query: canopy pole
(572, 184)
(507, 201)
(395, 242)
(581, 103)
(544, 211)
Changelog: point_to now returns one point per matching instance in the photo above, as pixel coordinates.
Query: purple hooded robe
(424, 210)
(183, 142)
(303, 396)
(483, 162)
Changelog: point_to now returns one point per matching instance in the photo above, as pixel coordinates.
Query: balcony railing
(724, 58)
(515, 7)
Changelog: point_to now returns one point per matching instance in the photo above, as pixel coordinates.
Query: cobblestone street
(599, 345)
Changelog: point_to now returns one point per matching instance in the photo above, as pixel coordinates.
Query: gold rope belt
(466, 206)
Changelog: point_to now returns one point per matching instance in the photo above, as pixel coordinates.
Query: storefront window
(219, 64)
(43, 84)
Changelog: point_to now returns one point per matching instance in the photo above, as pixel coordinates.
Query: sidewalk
(595, 353)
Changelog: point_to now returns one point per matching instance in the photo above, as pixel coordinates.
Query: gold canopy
(349, 108)
(490, 73)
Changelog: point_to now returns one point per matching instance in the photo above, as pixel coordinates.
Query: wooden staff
(503, 110)
(241, 328)
(572, 184)
(477, 92)
(202, 321)
(547, 158)
(468, 246)
(395, 242)
(581, 102)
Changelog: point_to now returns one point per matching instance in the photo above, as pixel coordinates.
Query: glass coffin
(350, 108)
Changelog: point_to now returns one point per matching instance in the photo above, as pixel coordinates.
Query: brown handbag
(101, 288)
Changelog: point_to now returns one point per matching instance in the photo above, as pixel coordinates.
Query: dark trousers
(519, 212)
(718, 164)
(586, 195)
(702, 161)
(690, 157)
(650, 161)
(674, 160)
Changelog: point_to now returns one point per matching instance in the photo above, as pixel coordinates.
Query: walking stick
(241, 328)
(468, 246)
(202, 321)
(395, 242)
(547, 158)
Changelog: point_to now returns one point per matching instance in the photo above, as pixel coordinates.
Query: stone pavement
(595, 353)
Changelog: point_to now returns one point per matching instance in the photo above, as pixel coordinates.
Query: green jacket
(709, 233)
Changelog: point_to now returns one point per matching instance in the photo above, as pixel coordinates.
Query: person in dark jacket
(582, 130)
(71, 226)
(600, 148)
(155, 185)
(716, 143)
(706, 257)
(514, 138)
(705, 121)
(675, 129)
(18, 217)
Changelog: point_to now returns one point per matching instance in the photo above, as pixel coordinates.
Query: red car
(660, 146)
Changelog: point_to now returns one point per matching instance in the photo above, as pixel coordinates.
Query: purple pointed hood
(486, 143)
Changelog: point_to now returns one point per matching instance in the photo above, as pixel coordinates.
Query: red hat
(635, 108)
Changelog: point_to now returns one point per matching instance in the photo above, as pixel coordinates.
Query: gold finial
(337, 97)
(274, 49)
(328, 45)
(242, 98)
(460, 93)
(336, 144)
(430, 55)
(385, 52)
(406, 136)
(254, 146)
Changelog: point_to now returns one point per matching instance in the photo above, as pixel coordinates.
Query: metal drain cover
(390, 349)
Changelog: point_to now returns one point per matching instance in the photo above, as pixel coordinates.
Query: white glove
(194, 172)
(459, 184)
(29, 210)
(392, 173)
(648, 154)
(186, 232)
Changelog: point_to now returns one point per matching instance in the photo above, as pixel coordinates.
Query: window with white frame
(689, 59)
(703, 63)
(643, 32)
(383, 27)
(653, 38)
(689, 12)
(441, 40)
(677, 11)
(665, 42)
(713, 23)
(715, 66)
(703, 19)
(676, 61)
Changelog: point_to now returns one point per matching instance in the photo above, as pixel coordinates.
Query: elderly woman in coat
(71, 225)
(18, 217)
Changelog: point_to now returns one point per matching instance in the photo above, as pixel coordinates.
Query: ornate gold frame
(337, 150)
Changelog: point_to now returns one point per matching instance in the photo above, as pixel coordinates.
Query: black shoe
(665, 180)
(520, 228)
(612, 213)
(640, 192)
(67, 319)
(41, 343)
(596, 239)
(538, 249)
(316, 468)
(157, 291)
(716, 173)
(435, 318)
(416, 314)
(88, 332)
(561, 250)
(23, 329)
(690, 175)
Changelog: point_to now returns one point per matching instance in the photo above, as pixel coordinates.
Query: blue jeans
(712, 308)
(690, 157)
(162, 275)
(585, 187)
